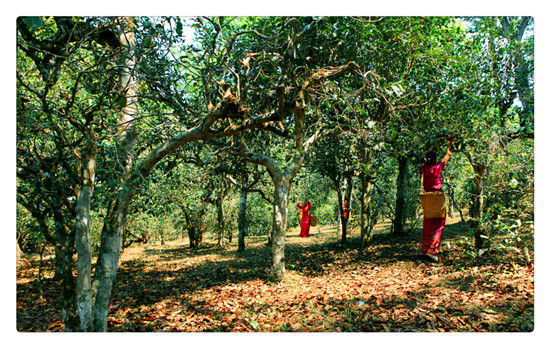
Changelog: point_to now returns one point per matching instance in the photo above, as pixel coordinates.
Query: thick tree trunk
(280, 222)
(63, 247)
(241, 222)
(115, 220)
(59, 255)
(400, 208)
(366, 181)
(83, 246)
(107, 262)
(65, 240)
(192, 229)
(192, 237)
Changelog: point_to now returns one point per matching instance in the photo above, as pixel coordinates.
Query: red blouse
(432, 176)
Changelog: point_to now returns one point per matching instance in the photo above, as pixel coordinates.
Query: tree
(216, 189)
(301, 101)
(484, 100)
(249, 179)
(65, 81)
(133, 175)
(336, 158)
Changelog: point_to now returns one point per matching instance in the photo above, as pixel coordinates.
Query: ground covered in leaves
(327, 288)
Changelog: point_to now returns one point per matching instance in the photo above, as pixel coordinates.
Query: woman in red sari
(306, 208)
(430, 180)
(345, 209)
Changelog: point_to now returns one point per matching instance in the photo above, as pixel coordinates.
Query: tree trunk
(107, 261)
(280, 221)
(66, 240)
(339, 207)
(19, 253)
(400, 208)
(62, 237)
(115, 220)
(366, 181)
(346, 197)
(192, 238)
(193, 228)
(242, 223)
(481, 234)
(366, 191)
(83, 246)
(347, 209)
(220, 226)
(162, 232)
(59, 255)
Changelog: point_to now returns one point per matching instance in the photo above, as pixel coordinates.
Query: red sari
(433, 228)
(304, 232)
(345, 209)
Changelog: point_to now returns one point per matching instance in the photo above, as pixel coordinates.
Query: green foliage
(29, 236)
(510, 201)
(259, 216)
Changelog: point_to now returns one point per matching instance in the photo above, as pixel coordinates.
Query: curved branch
(230, 108)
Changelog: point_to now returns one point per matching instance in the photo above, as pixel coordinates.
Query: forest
(164, 165)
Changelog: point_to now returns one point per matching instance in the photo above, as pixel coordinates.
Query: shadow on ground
(153, 284)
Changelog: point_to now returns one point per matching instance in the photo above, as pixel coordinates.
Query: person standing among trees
(306, 208)
(430, 181)
(345, 209)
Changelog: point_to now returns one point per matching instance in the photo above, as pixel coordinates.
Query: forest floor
(327, 287)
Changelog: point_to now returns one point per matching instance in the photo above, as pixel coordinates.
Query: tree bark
(481, 233)
(345, 197)
(59, 256)
(339, 202)
(242, 223)
(82, 240)
(280, 222)
(220, 226)
(107, 262)
(115, 220)
(400, 208)
(65, 242)
(366, 180)
(366, 197)
(192, 229)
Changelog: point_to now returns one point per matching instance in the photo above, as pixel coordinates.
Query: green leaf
(33, 22)
(179, 27)
(121, 101)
